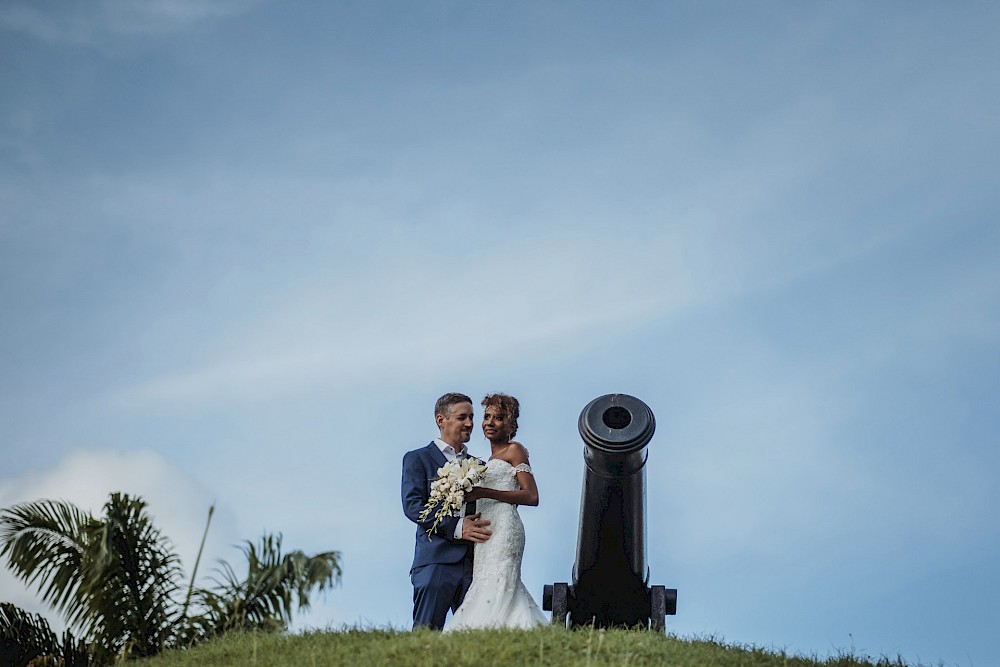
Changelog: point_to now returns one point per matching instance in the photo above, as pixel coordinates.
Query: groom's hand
(474, 529)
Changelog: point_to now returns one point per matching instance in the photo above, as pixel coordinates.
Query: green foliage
(129, 580)
(548, 646)
(45, 543)
(116, 579)
(263, 599)
(113, 578)
(27, 639)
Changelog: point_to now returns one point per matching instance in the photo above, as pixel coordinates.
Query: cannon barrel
(610, 576)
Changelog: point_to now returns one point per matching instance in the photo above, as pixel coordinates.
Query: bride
(497, 597)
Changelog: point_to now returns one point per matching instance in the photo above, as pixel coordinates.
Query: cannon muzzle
(610, 578)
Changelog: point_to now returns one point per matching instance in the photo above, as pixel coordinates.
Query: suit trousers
(438, 587)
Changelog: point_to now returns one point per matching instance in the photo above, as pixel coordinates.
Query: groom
(442, 566)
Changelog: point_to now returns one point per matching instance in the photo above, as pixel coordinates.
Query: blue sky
(244, 246)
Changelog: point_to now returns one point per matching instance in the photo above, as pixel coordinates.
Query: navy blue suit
(442, 567)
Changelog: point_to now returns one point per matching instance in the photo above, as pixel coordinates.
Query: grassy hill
(552, 646)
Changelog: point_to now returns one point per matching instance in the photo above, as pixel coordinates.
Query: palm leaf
(44, 543)
(264, 599)
(129, 577)
(24, 638)
(112, 578)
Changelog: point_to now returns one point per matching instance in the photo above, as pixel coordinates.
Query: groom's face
(456, 425)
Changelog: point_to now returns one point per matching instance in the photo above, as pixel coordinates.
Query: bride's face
(494, 427)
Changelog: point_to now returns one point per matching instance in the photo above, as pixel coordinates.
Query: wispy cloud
(329, 334)
(88, 23)
(442, 284)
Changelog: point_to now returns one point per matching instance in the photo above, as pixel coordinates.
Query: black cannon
(610, 578)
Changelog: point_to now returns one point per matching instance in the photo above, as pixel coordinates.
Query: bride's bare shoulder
(516, 453)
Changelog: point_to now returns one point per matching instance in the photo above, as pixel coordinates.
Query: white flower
(447, 494)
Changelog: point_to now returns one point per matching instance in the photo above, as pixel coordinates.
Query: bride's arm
(526, 495)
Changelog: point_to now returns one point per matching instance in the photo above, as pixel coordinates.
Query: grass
(550, 646)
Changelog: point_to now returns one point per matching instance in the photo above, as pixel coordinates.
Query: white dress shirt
(450, 454)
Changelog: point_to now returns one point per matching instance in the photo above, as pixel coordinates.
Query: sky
(245, 245)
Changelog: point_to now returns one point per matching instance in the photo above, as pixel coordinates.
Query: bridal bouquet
(448, 490)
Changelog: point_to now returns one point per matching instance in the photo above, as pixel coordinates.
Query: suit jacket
(420, 468)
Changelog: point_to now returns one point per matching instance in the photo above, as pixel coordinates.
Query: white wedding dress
(497, 598)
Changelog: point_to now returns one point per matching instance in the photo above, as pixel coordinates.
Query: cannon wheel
(658, 608)
(555, 598)
(671, 601)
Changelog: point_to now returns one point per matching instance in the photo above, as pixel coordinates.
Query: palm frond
(130, 576)
(115, 579)
(264, 599)
(44, 543)
(112, 578)
(24, 636)
(27, 639)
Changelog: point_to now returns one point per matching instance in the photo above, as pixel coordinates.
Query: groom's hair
(444, 404)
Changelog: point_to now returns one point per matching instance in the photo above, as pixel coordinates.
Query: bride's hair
(509, 408)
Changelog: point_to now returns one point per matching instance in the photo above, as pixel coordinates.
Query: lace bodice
(502, 475)
(508, 532)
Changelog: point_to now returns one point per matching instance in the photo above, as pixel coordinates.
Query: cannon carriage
(610, 582)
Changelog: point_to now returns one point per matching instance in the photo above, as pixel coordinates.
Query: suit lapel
(436, 454)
